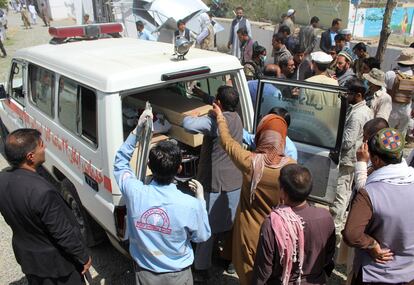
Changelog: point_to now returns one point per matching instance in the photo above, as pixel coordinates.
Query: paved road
(109, 266)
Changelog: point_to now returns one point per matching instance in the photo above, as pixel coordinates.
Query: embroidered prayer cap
(321, 57)
(375, 76)
(388, 142)
(346, 55)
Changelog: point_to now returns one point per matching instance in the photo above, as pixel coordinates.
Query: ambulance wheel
(71, 197)
(92, 233)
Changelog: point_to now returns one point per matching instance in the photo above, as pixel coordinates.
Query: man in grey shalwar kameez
(239, 22)
(217, 173)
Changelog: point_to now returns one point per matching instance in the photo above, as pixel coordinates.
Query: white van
(76, 94)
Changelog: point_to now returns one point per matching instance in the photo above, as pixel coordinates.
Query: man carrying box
(217, 173)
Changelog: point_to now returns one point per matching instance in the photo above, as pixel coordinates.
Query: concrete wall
(63, 9)
(263, 32)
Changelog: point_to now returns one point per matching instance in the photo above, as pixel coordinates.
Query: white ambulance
(78, 93)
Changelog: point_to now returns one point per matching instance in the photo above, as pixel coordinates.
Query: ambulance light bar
(85, 31)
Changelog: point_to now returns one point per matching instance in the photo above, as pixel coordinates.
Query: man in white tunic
(239, 22)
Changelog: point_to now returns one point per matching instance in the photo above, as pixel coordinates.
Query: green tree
(3, 3)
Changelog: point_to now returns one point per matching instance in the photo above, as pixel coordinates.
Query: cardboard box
(181, 135)
(174, 106)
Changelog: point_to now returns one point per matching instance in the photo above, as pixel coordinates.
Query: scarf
(270, 147)
(395, 174)
(288, 229)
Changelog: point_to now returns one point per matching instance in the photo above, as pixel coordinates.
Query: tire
(71, 197)
(92, 233)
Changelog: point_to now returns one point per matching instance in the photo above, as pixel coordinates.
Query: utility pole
(386, 30)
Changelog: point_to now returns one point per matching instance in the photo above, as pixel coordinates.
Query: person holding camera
(162, 221)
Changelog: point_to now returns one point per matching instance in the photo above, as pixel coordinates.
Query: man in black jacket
(328, 37)
(47, 242)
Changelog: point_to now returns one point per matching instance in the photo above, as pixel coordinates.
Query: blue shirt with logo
(161, 220)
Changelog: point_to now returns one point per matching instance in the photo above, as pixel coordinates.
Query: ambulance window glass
(68, 93)
(42, 87)
(77, 109)
(16, 83)
(88, 112)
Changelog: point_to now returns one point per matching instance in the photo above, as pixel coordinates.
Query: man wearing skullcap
(378, 226)
(348, 37)
(320, 64)
(343, 68)
(290, 20)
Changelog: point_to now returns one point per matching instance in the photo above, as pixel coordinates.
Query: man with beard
(287, 68)
(357, 115)
(343, 68)
(239, 22)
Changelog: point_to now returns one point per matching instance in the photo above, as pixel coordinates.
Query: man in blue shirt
(162, 221)
(290, 148)
(142, 33)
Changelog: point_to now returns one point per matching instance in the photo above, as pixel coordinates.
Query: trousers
(75, 278)
(146, 277)
(343, 194)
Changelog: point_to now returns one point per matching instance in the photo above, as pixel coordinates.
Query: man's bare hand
(381, 255)
(87, 265)
(216, 110)
(362, 153)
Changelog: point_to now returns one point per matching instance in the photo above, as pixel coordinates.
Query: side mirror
(3, 93)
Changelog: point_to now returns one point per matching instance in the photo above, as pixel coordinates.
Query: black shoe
(201, 276)
(230, 268)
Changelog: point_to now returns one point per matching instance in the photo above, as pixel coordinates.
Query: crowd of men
(250, 203)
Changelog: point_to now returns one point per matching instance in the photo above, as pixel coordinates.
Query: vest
(216, 172)
(392, 226)
(208, 42)
(242, 24)
(186, 34)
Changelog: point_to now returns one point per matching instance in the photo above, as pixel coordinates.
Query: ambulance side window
(77, 109)
(16, 83)
(42, 89)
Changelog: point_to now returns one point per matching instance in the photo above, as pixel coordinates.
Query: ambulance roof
(112, 65)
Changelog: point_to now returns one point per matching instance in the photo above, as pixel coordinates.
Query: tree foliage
(3, 3)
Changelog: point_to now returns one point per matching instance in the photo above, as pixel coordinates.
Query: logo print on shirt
(154, 219)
